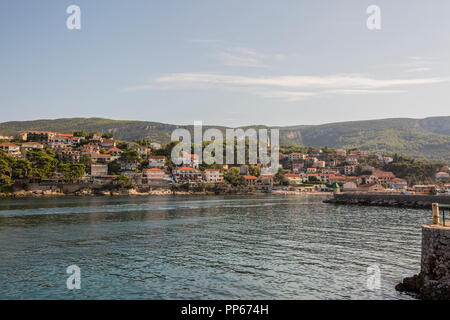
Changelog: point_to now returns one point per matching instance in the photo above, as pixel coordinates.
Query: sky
(233, 62)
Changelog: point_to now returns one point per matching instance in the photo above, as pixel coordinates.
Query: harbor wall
(391, 200)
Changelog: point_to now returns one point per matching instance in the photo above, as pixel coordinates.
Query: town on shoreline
(35, 163)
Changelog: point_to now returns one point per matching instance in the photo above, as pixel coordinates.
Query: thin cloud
(233, 55)
(412, 64)
(288, 87)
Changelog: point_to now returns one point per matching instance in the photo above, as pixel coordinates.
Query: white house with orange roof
(11, 149)
(155, 174)
(398, 184)
(187, 174)
(108, 143)
(156, 162)
(294, 178)
(32, 145)
(102, 158)
(115, 151)
(213, 176)
(190, 159)
(5, 137)
(442, 175)
(296, 156)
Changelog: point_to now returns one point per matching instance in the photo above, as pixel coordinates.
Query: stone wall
(392, 200)
(433, 281)
(435, 262)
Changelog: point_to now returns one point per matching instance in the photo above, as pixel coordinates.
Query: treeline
(415, 171)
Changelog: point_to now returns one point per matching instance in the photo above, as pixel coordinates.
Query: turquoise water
(217, 247)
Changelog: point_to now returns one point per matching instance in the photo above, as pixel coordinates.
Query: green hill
(427, 138)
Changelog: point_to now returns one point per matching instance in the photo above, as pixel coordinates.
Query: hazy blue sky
(228, 62)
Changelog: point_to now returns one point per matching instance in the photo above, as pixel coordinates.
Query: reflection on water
(221, 247)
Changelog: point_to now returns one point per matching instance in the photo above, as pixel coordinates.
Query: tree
(86, 160)
(72, 171)
(123, 181)
(5, 172)
(281, 178)
(129, 155)
(43, 163)
(254, 170)
(21, 168)
(80, 133)
(113, 167)
(107, 135)
(233, 176)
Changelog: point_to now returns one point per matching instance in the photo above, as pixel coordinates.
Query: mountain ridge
(427, 138)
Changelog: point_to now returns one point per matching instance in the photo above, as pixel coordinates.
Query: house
(359, 153)
(385, 160)
(104, 179)
(189, 159)
(96, 135)
(352, 160)
(21, 136)
(213, 176)
(128, 165)
(319, 164)
(424, 189)
(331, 163)
(155, 145)
(108, 143)
(341, 153)
(5, 137)
(294, 178)
(250, 180)
(39, 136)
(155, 174)
(115, 151)
(187, 174)
(267, 179)
(311, 170)
(398, 184)
(369, 178)
(11, 149)
(383, 176)
(349, 186)
(143, 152)
(349, 170)
(156, 162)
(32, 145)
(103, 158)
(446, 188)
(99, 170)
(371, 187)
(442, 176)
(90, 148)
(367, 168)
(330, 170)
(96, 141)
(67, 153)
(296, 156)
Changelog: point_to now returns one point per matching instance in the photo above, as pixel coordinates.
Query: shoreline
(133, 192)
